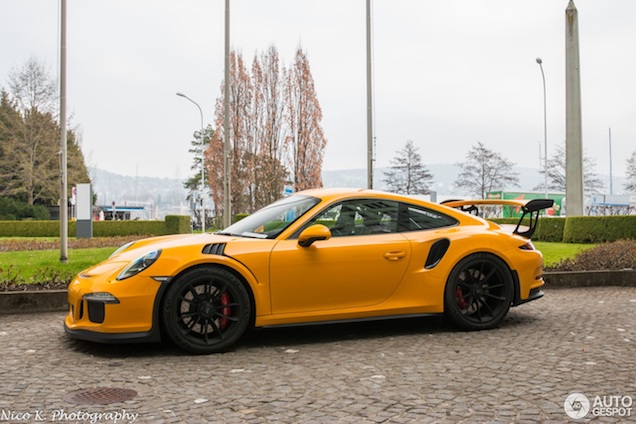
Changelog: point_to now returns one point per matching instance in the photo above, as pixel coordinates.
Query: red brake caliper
(225, 300)
(459, 296)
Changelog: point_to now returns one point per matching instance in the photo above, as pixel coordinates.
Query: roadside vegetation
(33, 263)
(618, 255)
(554, 252)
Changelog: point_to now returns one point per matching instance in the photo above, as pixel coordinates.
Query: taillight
(527, 246)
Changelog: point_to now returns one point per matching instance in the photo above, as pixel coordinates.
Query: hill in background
(166, 196)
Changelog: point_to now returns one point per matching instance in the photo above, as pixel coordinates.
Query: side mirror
(314, 233)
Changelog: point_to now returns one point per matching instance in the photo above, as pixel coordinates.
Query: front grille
(96, 311)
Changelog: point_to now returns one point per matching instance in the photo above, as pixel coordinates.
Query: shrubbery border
(173, 224)
(582, 229)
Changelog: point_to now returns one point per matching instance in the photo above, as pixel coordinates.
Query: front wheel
(206, 310)
(479, 292)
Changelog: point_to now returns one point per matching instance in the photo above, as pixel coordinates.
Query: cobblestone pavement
(399, 371)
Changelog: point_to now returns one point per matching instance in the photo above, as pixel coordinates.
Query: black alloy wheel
(479, 292)
(206, 310)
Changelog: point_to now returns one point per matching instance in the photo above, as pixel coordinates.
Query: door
(360, 265)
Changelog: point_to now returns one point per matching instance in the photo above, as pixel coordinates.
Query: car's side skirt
(352, 320)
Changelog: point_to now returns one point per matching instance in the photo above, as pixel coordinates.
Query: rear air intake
(437, 252)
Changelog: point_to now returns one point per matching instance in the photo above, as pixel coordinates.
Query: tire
(206, 310)
(479, 291)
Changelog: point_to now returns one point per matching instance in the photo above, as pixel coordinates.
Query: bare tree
(275, 120)
(241, 94)
(407, 174)
(556, 174)
(303, 115)
(630, 184)
(32, 87)
(269, 172)
(485, 170)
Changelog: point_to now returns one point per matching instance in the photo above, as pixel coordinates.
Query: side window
(359, 217)
(417, 218)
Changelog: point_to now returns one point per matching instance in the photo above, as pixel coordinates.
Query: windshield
(270, 221)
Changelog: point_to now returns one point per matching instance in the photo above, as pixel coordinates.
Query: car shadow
(338, 332)
(276, 337)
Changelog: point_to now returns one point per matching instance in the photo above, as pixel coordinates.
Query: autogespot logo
(577, 406)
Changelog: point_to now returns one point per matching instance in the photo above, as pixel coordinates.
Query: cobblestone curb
(13, 302)
(625, 278)
(56, 300)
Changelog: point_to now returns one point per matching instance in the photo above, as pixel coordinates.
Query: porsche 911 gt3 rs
(318, 256)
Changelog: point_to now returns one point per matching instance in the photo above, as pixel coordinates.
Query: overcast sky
(447, 73)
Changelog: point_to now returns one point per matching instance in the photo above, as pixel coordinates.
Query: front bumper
(130, 312)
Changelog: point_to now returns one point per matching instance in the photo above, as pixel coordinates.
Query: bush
(613, 256)
(11, 210)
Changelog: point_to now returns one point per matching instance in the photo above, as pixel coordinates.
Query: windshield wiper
(226, 233)
(246, 234)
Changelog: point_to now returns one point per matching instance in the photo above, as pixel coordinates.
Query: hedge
(548, 229)
(599, 229)
(582, 229)
(174, 224)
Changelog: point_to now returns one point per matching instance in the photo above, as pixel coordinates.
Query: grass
(29, 265)
(553, 253)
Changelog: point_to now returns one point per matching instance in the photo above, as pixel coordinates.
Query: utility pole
(573, 132)
(227, 201)
(369, 101)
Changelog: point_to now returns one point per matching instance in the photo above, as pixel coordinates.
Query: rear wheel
(479, 292)
(206, 310)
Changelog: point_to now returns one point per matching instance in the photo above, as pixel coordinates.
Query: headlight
(121, 249)
(136, 266)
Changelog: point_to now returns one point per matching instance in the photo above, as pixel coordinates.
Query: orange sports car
(317, 256)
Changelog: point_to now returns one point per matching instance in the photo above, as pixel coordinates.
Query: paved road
(416, 370)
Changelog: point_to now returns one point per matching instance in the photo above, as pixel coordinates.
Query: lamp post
(202, 161)
(545, 130)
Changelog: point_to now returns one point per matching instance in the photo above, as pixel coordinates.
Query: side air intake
(437, 252)
(214, 249)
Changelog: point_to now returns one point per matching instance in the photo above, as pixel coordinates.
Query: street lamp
(545, 131)
(202, 161)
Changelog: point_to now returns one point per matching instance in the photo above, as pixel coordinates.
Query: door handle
(395, 255)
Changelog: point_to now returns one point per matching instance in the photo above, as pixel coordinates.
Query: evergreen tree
(29, 139)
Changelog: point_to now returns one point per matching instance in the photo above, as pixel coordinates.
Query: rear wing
(530, 208)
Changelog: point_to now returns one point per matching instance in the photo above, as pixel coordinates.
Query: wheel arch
(513, 274)
(161, 298)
